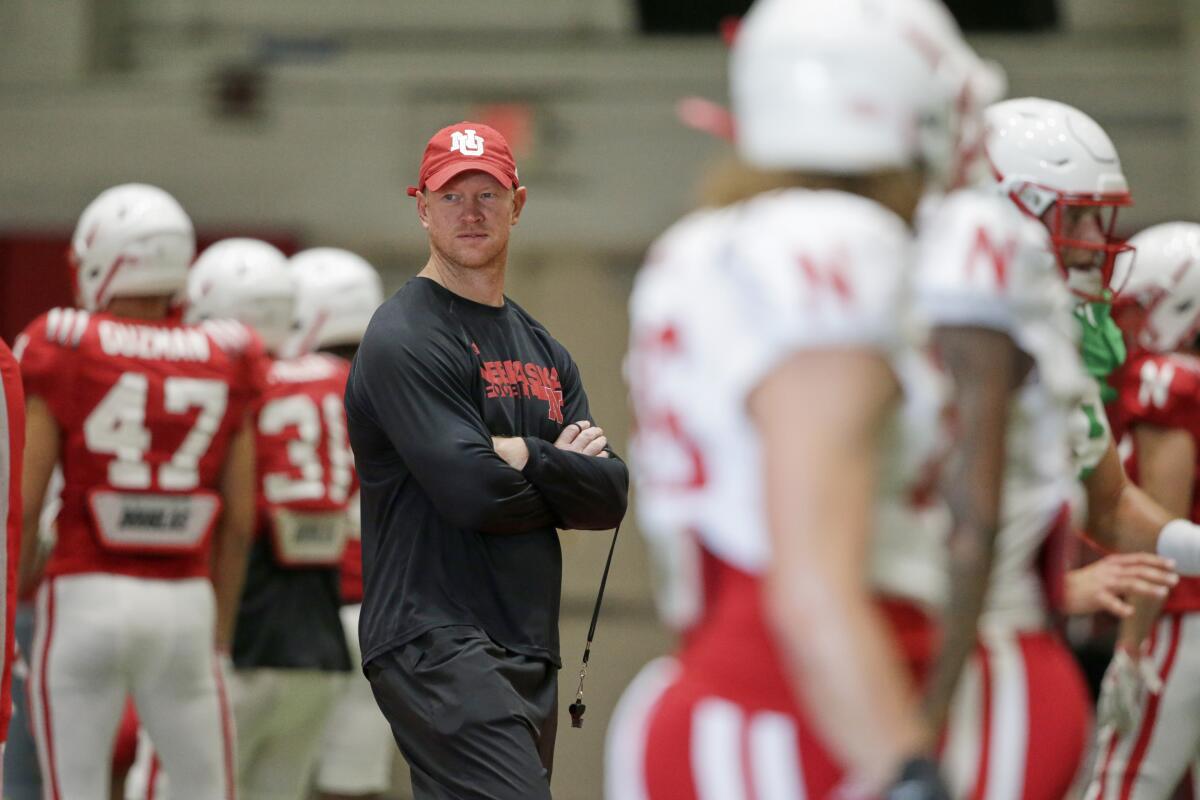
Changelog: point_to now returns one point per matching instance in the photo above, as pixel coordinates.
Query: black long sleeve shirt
(452, 535)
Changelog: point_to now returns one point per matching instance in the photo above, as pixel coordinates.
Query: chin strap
(578, 708)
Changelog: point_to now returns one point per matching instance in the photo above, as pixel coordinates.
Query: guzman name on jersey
(161, 344)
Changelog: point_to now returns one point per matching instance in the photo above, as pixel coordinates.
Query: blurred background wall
(304, 120)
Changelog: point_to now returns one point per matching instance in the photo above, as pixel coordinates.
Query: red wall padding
(34, 275)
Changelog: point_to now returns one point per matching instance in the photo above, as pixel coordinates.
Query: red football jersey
(305, 465)
(1164, 391)
(146, 410)
(12, 446)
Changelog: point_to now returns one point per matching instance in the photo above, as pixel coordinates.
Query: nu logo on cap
(466, 142)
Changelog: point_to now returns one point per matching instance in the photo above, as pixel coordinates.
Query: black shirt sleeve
(585, 492)
(417, 388)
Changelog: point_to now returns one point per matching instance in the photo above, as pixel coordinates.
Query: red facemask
(1105, 252)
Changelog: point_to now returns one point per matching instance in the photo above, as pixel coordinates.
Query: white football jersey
(725, 296)
(981, 263)
(908, 548)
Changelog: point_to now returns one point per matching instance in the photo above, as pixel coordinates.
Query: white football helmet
(336, 294)
(1160, 304)
(247, 280)
(975, 83)
(845, 86)
(1049, 158)
(134, 240)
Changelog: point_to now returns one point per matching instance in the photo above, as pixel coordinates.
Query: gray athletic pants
(473, 720)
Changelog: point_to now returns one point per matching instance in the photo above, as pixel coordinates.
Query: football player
(1002, 329)
(1058, 167)
(1061, 172)
(12, 449)
(289, 650)
(148, 418)
(1149, 725)
(987, 281)
(22, 776)
(336, 294)
(774, 373)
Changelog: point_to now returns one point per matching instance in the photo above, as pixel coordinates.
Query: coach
(473, 440)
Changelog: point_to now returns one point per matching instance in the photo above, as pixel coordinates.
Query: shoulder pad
(979, 261)
(66, 326)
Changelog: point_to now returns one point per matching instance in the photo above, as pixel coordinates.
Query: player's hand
(583, 437)
(1105, 585)
(512, 449)
(1129, 677)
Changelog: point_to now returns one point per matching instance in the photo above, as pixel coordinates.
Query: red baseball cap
(463, 147)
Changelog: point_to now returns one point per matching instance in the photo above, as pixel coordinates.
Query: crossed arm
(581, 479)
(423, 402)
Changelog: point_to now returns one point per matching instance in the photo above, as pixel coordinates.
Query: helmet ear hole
(93, 273)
